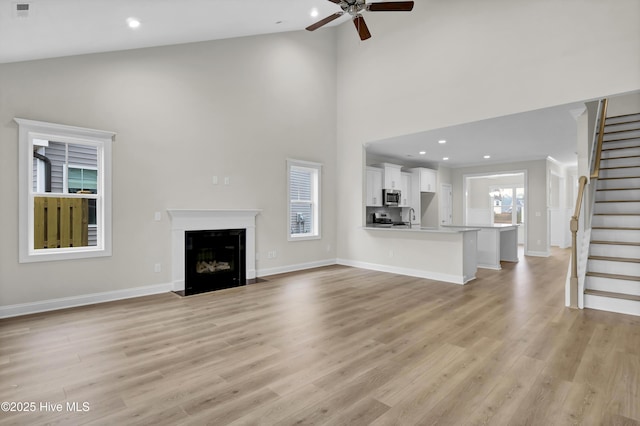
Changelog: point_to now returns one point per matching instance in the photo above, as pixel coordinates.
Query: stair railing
(574, 224)
(595, 166)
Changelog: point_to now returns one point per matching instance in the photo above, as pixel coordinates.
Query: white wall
(448, 63)
(182, 114)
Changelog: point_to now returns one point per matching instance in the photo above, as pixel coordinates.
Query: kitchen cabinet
(374, 187)
(405, 190)
(424, 179)
(391, 175)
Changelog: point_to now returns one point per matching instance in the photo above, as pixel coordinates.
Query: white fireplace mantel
(199, 220)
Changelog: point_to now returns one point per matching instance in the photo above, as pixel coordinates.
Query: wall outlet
(157, 267)
(214, 180)
(390, 253)
(271, 254)
(157, 216)
(227, 181)
(328, 247)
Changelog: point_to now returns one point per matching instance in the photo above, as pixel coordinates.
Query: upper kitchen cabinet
(424, 179)
(374, 187)
(405, 190)
(392, 176)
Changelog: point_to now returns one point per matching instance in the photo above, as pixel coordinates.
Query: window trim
(317, 234)
(28, 130)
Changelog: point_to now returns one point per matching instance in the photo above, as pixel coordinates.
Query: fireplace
(184, 221)
(214, 260)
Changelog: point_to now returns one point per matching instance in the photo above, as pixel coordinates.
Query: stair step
(615, 259)
(615, 285)
(613, 295)
(617, 228)
(621, 134)
(621, 172)
(614, 249)
(612, 302)
(609, 220)
(631, 128)
(631, 161)
(618, 183)
(620, 149)
(613, 276)
(618, 153)
(609, 265)
(611, 207)
(621, 122)
(622, 117)
(622, 154)
(622, 195)
(621, 143)
(628, 235)
(623, 243)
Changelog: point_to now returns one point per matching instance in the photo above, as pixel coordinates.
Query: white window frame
(316, 200)
(28, 130)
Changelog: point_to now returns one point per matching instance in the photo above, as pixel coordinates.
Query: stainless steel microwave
(391, 197)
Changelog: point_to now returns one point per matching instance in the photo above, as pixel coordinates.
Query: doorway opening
(497, 199)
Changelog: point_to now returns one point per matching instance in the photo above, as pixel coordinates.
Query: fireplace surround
(183, 221)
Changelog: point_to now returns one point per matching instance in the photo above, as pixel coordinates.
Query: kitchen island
(496, 243)
(444, 254)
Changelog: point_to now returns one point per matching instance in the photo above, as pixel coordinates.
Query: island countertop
(440, 230)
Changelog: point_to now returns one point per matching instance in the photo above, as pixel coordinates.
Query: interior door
(446, 201)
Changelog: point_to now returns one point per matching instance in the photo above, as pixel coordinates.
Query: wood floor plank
(333, 345)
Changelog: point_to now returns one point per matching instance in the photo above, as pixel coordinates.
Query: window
(304, 200)
(508, 205)
(64, 191)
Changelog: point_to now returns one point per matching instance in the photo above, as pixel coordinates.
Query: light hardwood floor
(333, 345)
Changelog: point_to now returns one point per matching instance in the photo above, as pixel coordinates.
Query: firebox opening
(214, 260)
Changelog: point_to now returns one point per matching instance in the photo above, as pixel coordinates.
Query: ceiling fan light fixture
(354, 7)
(314, 12)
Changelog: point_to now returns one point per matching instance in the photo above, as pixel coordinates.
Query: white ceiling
(549, 132)
(71, 27)
(56, 28)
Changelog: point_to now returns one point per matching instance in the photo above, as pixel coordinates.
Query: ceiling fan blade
(336, 1)
(390, 6)
(361, 27)
(324, 21)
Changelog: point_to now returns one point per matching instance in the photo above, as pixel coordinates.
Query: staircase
(613, 268)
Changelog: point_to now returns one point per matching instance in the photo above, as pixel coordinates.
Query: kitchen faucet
(412, 216)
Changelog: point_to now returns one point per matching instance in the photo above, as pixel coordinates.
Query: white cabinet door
(427, 180)
(374, 187)
(392, 176)
(405, 190)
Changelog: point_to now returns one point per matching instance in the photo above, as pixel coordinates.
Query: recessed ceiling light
(422, 152)
(314, 12)
(445, 158)
(441, 141)
(487, 157)
(133, 22)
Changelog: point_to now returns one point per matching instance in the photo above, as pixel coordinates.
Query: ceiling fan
(354, 7)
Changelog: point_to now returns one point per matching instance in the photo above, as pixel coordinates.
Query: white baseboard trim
(537, 253)
(86, 299)
(265, 272)
(492, 267)
(455, 279)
